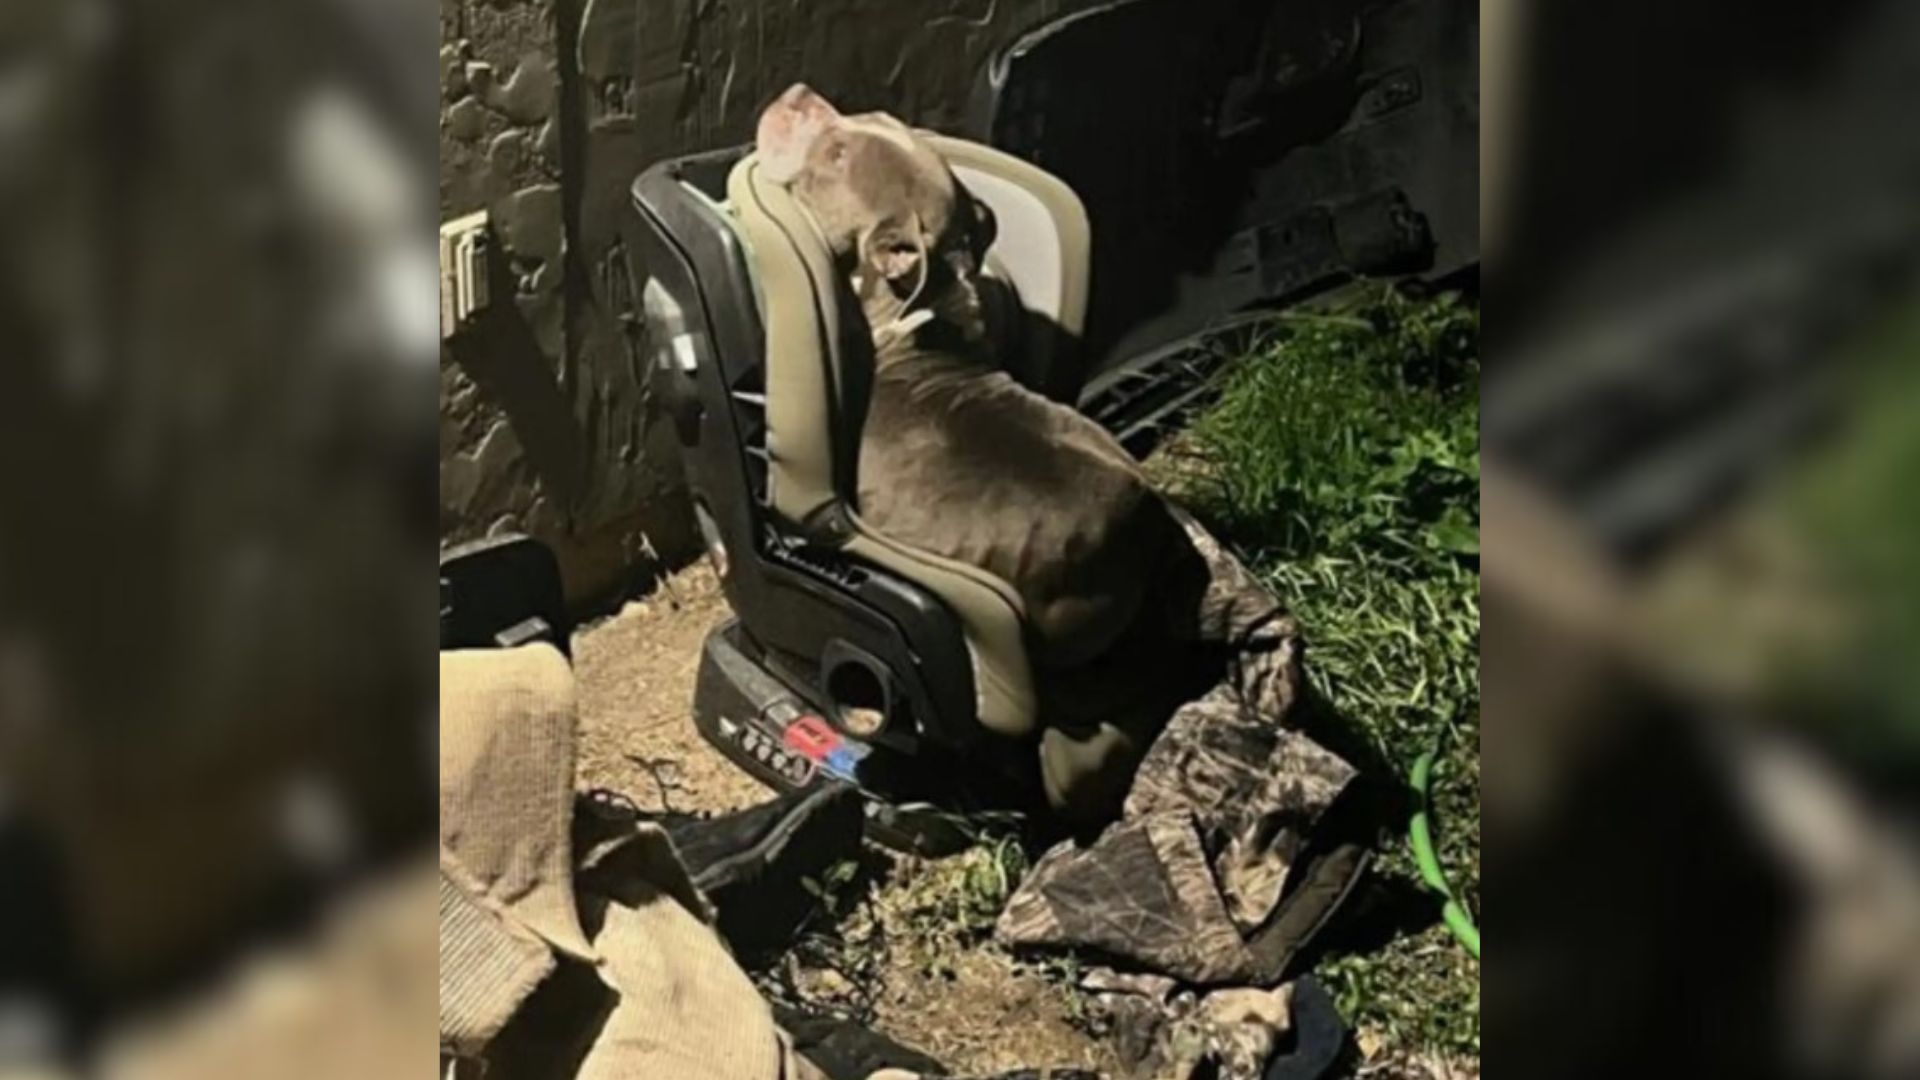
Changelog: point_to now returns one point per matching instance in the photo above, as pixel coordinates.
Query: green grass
(890, 913)
(1341, 461)
(1857, 532)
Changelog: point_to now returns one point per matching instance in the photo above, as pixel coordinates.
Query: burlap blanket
(559, 963)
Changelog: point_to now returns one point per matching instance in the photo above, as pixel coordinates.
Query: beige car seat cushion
(802, 319)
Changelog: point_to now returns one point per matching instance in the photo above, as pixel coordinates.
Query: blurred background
(1701, 744)
(219, 444)
(217, 373)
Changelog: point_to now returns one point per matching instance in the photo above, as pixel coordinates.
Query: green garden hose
(1420, 836)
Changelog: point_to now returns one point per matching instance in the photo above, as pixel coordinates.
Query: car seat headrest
(1040, 256)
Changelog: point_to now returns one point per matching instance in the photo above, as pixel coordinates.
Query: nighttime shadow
(1317, 717)
(769, 871)
(1381, 910)
(558, 1025)
(499, 352)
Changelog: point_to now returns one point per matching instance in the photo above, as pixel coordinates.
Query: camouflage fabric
(1173, 1032)
(1210, 623)
(1144, 892)
(1255, 790)
(1211, 597)
(1225, 861)
(1233, 1031)
(1190, 882)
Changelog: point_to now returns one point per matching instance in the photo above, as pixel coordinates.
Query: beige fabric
(991, 616)
(665, 999)
(802, 318)
(795, 274)
(506, 785)
(349, 1000)
(353, 1000)
(668, 1001)
(488, 967)
(685, 1009)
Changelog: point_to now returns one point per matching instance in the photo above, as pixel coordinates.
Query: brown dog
(959, 459)
(956, 457)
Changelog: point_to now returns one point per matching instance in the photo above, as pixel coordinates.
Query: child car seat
(759, 355)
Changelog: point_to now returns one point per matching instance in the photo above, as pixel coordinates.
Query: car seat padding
(811, 438)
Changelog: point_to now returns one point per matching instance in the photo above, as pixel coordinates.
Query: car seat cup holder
(862, 695)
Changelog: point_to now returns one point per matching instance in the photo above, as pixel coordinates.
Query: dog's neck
(949, 320)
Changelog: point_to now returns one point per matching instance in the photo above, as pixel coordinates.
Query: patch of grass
(1845, 508)
(895, 912)
(1399, 660)
(948, 906)
(1342, 462)
(1354, 430)
(838, 961)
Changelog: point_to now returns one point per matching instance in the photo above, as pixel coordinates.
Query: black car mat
(845, 1050)
(500, 592)
(1319, 1035)
(752, 865)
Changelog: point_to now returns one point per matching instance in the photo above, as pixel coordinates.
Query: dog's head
(890, 208)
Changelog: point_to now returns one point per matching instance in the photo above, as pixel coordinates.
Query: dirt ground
(635, 680)
(964, 1002)
(897, 960)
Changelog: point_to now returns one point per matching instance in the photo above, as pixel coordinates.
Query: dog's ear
(985, 230)
(894, 251)
(788, 127)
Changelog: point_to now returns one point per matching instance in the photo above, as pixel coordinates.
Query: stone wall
(548, 110)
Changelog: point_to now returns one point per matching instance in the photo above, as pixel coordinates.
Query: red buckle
(812, 737)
